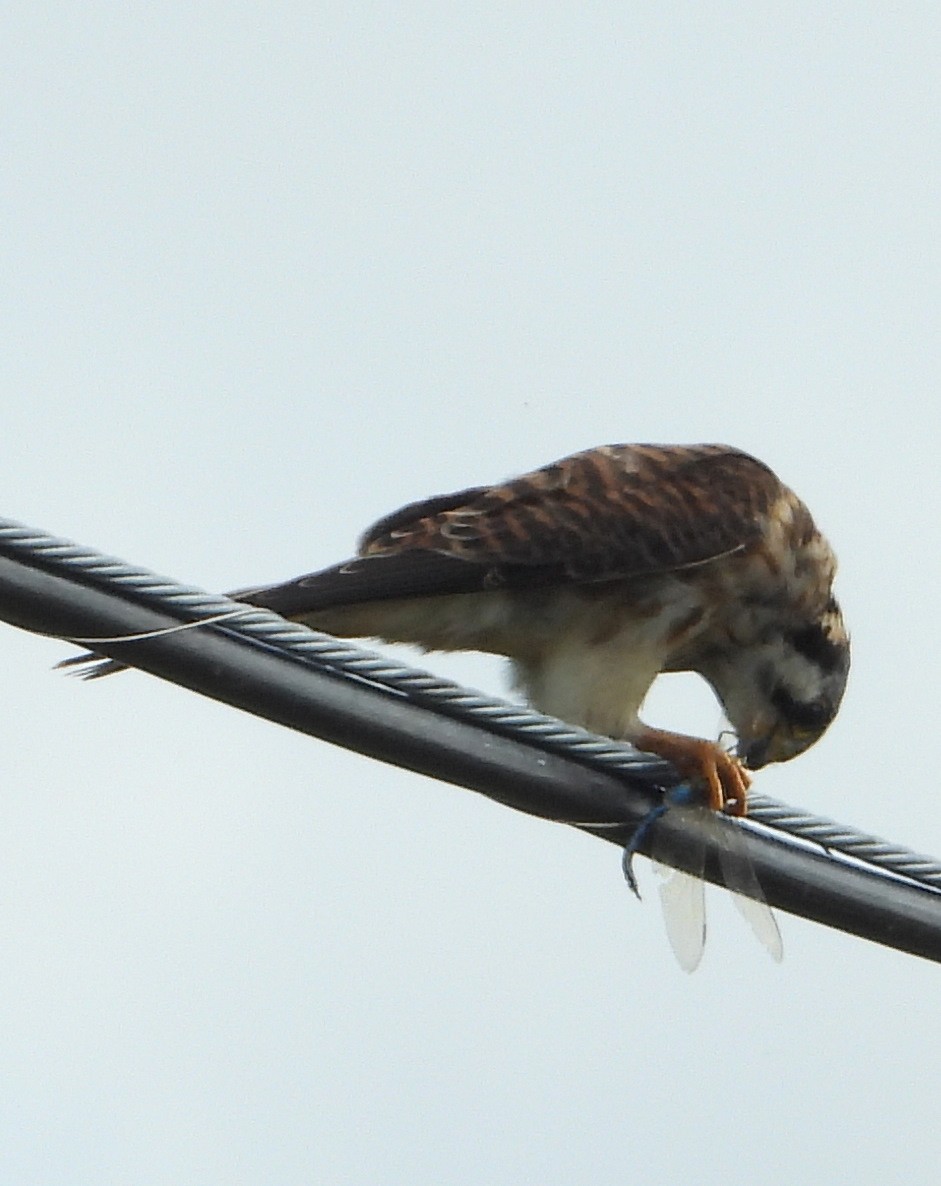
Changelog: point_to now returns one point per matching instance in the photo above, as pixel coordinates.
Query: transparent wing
(682, 897)
(683, 900)
(738, 873)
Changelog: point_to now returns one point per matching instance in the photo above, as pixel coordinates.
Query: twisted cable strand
(337, 654)
(844, 840)
(445, 696)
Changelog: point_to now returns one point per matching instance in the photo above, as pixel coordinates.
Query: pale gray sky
(270, 271)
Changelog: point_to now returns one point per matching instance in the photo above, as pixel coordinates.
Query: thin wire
(340, 656)
(444, 696)
(89, 661)
(845, 841)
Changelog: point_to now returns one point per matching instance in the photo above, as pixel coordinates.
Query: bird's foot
(722, 775)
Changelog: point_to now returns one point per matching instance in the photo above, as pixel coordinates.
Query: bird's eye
(816, 645)
(808, 716)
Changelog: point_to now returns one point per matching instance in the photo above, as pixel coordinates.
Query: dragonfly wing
(764, 925)
(740, 879)
(682, 895)
(683, 899)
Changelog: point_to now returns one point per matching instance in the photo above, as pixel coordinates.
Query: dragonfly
(682, 895)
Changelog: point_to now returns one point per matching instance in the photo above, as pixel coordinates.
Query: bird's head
(785, 691)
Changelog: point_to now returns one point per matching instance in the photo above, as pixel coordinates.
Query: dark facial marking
(812, 714)
(818, 647)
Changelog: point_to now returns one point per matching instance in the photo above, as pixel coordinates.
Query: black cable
(285, 673)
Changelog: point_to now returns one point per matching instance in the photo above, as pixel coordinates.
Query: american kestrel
(598, 572)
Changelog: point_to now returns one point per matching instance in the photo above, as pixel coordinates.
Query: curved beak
(779, 745)
(756, 753)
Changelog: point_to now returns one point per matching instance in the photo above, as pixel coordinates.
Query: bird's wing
(606, 514)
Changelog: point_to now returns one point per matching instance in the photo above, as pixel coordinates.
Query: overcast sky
(272, 270)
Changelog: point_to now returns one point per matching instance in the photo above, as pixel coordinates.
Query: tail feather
(354, 583)
(89, 665)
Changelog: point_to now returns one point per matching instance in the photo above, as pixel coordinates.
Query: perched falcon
(598, 572)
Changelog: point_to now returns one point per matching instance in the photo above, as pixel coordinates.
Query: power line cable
(329, 688)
